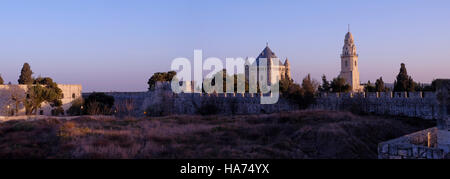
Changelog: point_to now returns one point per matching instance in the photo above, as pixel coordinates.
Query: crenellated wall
(412, 104)
(433, 143)
(163, 100)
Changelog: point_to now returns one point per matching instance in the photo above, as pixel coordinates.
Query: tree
(25, 75)
(285, 84)
(302, 95)
(54, 93)
(379, 85)
(42, 90)
(17, 96)
(76, 108)
(325, 85)
(369, 87)
(99, 103)
(431, 87)
(36, 96)
(309, 87)
(338, 85)
(160, 76)
(404, 82)
(1, 80)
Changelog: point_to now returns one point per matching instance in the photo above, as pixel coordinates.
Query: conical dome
(286, 63)
(268, 54)
(349, 38)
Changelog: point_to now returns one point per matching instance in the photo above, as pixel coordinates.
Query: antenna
(348, 27)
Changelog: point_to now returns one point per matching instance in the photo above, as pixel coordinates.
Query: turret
(287, 67)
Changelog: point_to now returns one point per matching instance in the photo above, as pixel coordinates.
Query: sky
(116, 45)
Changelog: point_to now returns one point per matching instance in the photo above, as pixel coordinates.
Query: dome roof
(349, 37)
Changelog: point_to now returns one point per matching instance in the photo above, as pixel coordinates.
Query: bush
(208, 108)
(99, 103)
(76, 108)
(58, 111)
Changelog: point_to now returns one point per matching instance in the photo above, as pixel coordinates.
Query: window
(73, 95)
(355, 63)
(346, 63)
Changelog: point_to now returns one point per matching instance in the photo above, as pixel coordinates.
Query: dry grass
(300, 134)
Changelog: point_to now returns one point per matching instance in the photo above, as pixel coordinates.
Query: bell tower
(349, 63)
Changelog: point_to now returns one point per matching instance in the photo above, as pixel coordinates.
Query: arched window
(73, 95)
(346, 63)
(355, 63)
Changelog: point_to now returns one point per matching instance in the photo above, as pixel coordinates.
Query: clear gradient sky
(116, 45)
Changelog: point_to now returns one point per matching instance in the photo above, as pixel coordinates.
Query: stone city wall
(412, 146)
(413, 104)
(433, 143)
(162, 101)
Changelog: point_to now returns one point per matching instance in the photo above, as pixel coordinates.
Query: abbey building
(273, 66)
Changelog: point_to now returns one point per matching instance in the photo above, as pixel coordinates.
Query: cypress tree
(404, 82)
(379, 85)
(25, 75)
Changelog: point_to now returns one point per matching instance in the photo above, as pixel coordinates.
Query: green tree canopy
(369, 87)
(404, 82)
(160, 76)
(1, 80)
(325, 87)
(42, 90)
(338, 85)
(379, 85)
(25, 75)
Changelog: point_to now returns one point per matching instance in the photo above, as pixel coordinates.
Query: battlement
(412, 104)
(384, 95)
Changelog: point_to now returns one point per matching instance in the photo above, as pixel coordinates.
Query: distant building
(283, 69)
(7, 104)
(349, 64)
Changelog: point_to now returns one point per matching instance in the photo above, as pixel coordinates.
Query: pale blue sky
(116, 45)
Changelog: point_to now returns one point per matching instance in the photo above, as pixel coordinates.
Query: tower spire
(348, 27)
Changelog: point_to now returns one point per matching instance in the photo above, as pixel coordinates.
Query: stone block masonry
(412, 146)
(413, 104)
(164, 102)
(70, 94)
(433, 143)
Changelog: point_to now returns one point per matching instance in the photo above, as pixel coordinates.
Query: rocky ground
(299, 134)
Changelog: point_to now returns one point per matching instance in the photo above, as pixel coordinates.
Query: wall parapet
(413, 104)
(420, 94)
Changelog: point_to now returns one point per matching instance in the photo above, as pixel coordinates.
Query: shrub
(99, 103)
(76, 108)
(208, 108)
(58, 111)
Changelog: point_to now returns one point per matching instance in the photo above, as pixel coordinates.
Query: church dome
(268, 54)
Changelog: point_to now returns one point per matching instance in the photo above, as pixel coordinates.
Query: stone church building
(283, 70)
